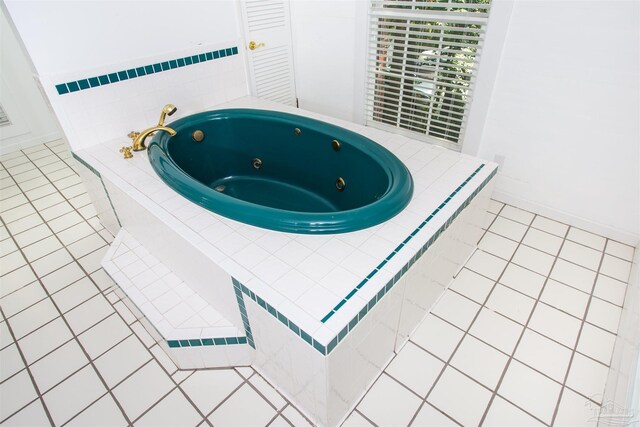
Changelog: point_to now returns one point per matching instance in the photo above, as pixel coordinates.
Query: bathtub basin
(281, 171)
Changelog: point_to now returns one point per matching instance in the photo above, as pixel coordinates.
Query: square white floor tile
(122, 360)
(533, 259)
(41, 248)
(22, 298)
(504, 414)
(544, 355)
(587, 377)
(576, 410)
(51, 262)
(510, 303)
(498, 245)
(496, 330)
(32, 318)
(588, 239)
(480, 361)
(32, 415)
(62, 277)
(32, 235)
(522, 280)
(389, 403)
(507, 228)
(517, 214)
(210, 387)
(573, 275)
(44, 340)
(460, 397)
(596, 343)
(58, 365)
(73, 395)
(550, 226)
(89, 313)
(268, 392)
(12, 261)
(615, 267)
(456, 309)
(486, 264)
(15, 280)
(245, 407)
(15, 393)
(555, 324)
(74, 294)
(103, 413)
(581, 255)
(565, 298)
(530, 391)
(610, 290)
(10, 362)
(173, 410)
(104, 335)
(604, 314)
(415, 368)
(542, 241)
(142, 389)
(620, 250)
(437, 336)
(472, 285)
(86, 245)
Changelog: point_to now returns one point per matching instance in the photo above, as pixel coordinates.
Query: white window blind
(423, 57)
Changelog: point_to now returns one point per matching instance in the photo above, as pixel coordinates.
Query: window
(423, 57)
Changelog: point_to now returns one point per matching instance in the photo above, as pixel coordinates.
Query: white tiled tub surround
(104, 112)
(306, 278)
(68, 326)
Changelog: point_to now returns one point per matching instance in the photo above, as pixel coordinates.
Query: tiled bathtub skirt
(533, 284)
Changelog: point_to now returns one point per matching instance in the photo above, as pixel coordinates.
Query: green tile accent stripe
(92, 169)
(408, 239)
(243, 311)
(132, 73)
(206, 342)
(242, 289)
(325, 350)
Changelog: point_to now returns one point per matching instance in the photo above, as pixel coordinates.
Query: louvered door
(271, 74)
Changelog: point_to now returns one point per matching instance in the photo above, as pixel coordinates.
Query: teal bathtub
(281, 171)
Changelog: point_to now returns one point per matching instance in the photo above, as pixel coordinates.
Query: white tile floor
(522, 337)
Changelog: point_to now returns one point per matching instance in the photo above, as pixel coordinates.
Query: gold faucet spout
(138, 142)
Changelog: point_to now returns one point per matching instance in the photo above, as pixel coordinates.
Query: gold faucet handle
(127, 152)
(133, 134)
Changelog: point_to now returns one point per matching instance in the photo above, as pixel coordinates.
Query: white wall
(63, 36)
(72, 40)
(32, 122)
(564, 111)
(329, 53)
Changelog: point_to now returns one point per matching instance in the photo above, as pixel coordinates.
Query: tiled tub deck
(302, 309)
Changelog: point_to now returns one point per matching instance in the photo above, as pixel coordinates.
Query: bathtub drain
(220, 188)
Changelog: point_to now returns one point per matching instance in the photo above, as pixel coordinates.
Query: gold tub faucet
(139, 137)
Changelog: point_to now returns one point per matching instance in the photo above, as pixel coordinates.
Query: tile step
(181, 319)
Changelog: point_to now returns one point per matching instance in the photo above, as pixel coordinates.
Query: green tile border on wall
(206, 342)
(325, 350)
(132, 73)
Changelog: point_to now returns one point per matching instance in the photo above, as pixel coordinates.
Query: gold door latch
(253, 45)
